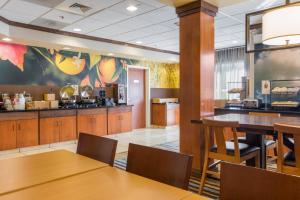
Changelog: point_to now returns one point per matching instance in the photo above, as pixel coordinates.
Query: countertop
(245, 110)
(56, 109)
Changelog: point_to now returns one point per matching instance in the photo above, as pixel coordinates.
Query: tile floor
(148, 137)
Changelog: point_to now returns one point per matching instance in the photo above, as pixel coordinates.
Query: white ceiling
(154, 23)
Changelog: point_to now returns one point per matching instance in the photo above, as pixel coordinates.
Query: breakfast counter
(165, 114)
(221, 111)
(24, 128)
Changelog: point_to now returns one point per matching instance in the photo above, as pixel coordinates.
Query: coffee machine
(120, 93)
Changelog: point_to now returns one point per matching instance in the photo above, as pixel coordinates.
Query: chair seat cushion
(267, 142)
(245, 149)
(289, 159)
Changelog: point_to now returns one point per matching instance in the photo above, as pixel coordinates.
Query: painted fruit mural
(29, 65)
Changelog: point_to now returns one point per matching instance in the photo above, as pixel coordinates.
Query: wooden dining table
(256, 128)
(88, 180)
(23, 172)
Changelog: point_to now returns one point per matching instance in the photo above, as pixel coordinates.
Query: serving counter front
(37, 127)
(165, 114)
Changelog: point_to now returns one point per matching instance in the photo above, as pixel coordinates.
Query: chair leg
(257, 160)
(275, 151)
(203, 177)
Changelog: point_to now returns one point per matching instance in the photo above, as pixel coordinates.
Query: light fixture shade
(281, 26)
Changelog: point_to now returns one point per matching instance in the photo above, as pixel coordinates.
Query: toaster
(252, 103)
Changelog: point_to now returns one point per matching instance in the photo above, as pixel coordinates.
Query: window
(230, 67)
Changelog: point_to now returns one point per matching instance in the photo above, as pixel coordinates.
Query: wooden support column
(197, 60)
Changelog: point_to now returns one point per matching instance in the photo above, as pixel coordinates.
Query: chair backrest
(293, 131)
(249, 183)
(168, 167)
(264, 114)
(217, 129)
(98, 148)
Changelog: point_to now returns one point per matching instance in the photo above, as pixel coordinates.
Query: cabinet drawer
(94, 111)
(120, 109)
(57, 113)
(18, 115)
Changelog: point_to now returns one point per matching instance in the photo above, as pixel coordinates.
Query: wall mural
(29, 65)
(276, 65)
(164, 75)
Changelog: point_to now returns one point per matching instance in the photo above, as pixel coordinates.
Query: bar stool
(223, 150)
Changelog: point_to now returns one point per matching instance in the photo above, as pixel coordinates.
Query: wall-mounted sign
(265, 87)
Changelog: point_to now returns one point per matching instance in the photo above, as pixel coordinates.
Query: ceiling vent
(79, 7)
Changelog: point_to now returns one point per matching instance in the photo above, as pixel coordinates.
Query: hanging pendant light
(282, 26)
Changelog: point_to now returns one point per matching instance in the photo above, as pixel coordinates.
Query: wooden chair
(270, 142)
(98, 148)
(234, 152)
(290, 162)
(249, 183)
(164, 166)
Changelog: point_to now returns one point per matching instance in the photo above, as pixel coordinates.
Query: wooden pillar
(197, 60)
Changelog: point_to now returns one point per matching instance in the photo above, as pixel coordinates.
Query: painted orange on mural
(107, 69)
(70, 65)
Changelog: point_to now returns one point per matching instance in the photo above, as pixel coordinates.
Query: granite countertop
(269, 110)
(55, 109)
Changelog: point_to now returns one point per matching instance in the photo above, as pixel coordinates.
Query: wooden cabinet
(18, 129)
(49, 130)
(67, 128)
(165, 114)
(8, 135)
(27, 132)
(119, 120)
(57, 126)
(92, 121)
(30, 128)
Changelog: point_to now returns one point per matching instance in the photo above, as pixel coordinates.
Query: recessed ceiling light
(132, 8)
(234, 42)
(6, 39)
(139, 42)
(77, 29)
(110, 54)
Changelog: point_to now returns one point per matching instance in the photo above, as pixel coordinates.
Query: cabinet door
(85, 124)
(67, 128)
(99, 124)
(126, 122)
(49, 130)
(27, 133)
(114, 123)
(8, 137)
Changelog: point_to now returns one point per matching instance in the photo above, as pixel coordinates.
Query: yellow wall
(163, 75)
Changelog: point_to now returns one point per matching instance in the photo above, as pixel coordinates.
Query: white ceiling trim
(52, 40)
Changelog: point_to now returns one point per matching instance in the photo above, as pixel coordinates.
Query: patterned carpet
(194, 181)
(211, 188)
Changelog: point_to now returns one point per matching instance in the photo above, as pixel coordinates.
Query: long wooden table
(255, 127)
(63, 175)
(106, 183)
(23, 172)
